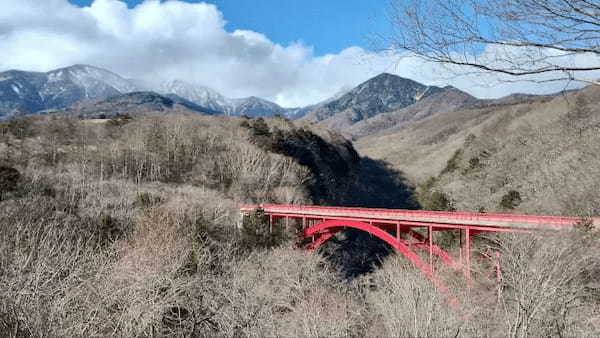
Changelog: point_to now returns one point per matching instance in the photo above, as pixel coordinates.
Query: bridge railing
(487, 219)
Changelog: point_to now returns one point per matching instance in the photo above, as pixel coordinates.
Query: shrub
(510, 200)
(397, 292)
(549, 284)
(584, 224)
(431, 199)
(245, 124)
(261, 135)
(435, 200)
(118, 120)
(256, 232)
(288, 293)
(453, 162)
(146, 200)
(260, 127)
(21, 127)
(474, 163)
(9, 178)
(108, 228)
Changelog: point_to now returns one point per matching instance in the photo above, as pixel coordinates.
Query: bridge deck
(491, 221)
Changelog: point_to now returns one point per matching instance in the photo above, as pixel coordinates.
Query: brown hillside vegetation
(539, 156)
(445, 100)
(130, 228)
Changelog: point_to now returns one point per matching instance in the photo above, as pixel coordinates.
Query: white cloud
(174, 39)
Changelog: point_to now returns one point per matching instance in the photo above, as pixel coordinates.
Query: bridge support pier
(430, 237)
(467, 251)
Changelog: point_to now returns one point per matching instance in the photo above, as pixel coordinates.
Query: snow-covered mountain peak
(90, 76)
(24, 92)
(207, 97)
(201, 95)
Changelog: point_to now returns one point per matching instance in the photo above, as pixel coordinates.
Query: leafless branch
(508, 37)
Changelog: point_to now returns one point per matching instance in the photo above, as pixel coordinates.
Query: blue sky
(328, 26)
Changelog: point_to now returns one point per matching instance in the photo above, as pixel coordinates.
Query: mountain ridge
(386, 101)
(384, 92)
(23, 92)
(30, 92)
(134, 103)
(251, 106)
(380, 103)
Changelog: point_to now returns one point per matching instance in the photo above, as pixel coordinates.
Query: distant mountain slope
(383, 93)
(300, 112)
(534, 154)
(191, 105)
(382, 103)
(254, 106)
(443, 100)
(387, 102)
(133, 104)
(28, 92)
(200, 95)
(24, 92)
(20, 92)
(206, 97)
(91, 79)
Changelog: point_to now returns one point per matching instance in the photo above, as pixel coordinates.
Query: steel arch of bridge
(325, 230)
(321, 223)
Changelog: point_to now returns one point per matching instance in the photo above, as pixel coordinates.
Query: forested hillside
(131, 226)
(538, 155)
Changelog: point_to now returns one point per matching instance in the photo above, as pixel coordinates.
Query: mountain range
(384, 102)
(30, 92)
(142, 102)
(23, 93)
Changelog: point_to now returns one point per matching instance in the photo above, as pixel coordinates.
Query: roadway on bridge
(489, 222)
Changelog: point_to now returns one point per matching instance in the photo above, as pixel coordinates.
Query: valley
(543, 148)
(310, 169)
(130, 203)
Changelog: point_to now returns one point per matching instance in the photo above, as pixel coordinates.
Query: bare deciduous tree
(517, 38)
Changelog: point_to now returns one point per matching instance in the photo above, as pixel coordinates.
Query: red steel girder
(388, 238)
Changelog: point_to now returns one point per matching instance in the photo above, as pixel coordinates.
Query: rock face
(30, 92)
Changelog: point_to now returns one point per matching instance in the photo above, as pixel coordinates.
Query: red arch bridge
(409, 231)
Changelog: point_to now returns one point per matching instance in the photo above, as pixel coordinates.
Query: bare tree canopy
(545, 40)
